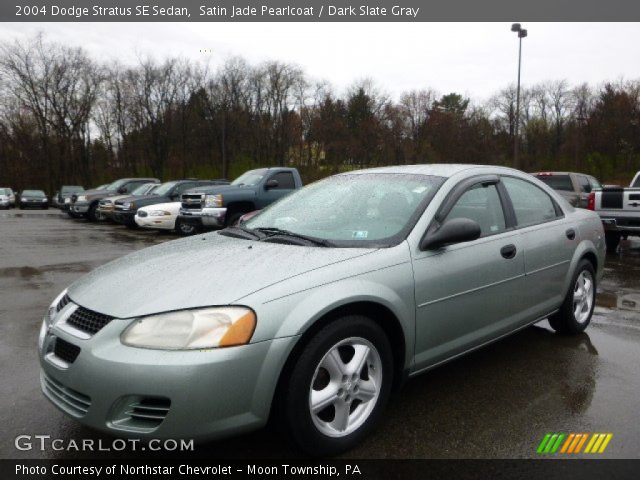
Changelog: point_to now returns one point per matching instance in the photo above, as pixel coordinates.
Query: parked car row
(187, 206)
(26, 199)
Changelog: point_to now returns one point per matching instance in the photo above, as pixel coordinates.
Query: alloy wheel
(583, 296)
(345, 387)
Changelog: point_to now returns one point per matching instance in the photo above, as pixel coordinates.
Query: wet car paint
(495, 403)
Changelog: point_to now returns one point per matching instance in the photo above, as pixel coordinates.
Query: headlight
(192, 329)
(51, 311)
(213, 201)
(23, 199)
(159, 213)
(81, 198)
(128, 205)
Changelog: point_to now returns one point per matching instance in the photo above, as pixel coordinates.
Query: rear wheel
(338, 386)
(576, 311)
(612, 239)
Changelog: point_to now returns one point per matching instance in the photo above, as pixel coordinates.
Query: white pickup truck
(619, 209)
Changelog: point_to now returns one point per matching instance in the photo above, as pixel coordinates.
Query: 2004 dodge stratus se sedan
(316, 307)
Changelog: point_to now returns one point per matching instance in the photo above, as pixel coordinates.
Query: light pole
(516, 27)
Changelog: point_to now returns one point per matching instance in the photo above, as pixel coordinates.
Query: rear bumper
(621, 225)
(206, 217)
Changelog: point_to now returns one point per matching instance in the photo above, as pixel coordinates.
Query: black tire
(131, 224)
(233, 218)
(185, 229)
(294, 395)
(612, 239)
(92, 214)
(564, 321)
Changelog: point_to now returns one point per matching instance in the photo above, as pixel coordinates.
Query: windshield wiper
(272, 232)
(254, 235)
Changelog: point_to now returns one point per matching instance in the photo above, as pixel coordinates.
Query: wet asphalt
(495, 403)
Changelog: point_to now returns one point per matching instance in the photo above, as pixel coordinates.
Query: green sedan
(316, 308)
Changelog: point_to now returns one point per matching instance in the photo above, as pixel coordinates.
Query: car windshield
(4, 191)
(72, 189)
(144, 189)
(112, 187)
(164, 188)
(557, 182)
(33, 193)
(252, 177)
(372, 209)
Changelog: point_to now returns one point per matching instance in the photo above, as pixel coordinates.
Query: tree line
(66, 118)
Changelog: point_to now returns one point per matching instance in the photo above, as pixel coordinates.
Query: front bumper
(164, 222)
(124, 216)
(212, 393)
(80, 207)
(206, 217)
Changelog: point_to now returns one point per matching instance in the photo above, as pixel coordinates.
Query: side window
(585, 186)
(531, 204)
(482, 204)
(180, 189)
(285, 181)
(131, 186)
(594, 183)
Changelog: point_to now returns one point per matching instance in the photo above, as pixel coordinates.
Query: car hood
(142, 200)
(92, 193)
(214, 189)
(199, 271)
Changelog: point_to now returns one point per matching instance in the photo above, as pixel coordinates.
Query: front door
(469, 293)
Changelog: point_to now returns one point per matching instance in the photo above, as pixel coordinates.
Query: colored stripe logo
(574, 443)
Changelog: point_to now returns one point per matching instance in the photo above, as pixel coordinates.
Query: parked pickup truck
(619, 210)
(574, 187)
(220, 206)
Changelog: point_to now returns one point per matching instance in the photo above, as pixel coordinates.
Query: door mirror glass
(271, 184)
(456, 230)
(122, 190)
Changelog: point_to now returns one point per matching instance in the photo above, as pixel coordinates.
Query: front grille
(66, 398)
(192, 201)
(88, 321)
(64, 301)
(66, 351)
(74, 198)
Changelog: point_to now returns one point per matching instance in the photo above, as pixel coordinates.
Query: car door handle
(508, 251)
(571, 234)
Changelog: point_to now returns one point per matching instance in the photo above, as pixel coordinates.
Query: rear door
(549, 240)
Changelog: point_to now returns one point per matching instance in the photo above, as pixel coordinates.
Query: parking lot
(495, 403)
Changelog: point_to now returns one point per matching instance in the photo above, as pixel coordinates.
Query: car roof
(437, 169)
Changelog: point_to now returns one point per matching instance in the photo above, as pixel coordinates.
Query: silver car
(320, 305)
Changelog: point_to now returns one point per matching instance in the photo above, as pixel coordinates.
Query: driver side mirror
(122, 190)
(273, 183)
(456, 230)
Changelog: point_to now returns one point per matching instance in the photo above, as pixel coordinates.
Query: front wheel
(338, 387)
(184, 228)
(576, 311)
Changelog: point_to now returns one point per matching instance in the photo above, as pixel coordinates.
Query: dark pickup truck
(125, 208)
(220, 206)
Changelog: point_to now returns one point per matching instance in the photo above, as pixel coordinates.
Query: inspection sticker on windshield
(419, 189)
(360, 234)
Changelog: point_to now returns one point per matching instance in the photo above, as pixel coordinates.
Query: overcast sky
(472, 58)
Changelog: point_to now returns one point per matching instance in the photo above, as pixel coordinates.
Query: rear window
(557, 182)
(636, 184)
